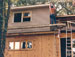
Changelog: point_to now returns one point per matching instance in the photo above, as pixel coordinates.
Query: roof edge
(28, 7)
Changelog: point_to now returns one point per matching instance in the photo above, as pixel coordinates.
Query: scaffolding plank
(39, 26)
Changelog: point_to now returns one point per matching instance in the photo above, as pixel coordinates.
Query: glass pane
(17, 45)
(26, 14)
(11, 45)
(26, 19)
(23, 45)
(29, 44)
(17, 17)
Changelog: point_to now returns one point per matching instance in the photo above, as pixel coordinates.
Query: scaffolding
(68, 27)
(69, 51)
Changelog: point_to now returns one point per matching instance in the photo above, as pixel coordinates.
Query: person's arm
(50, 7)
(54, 7)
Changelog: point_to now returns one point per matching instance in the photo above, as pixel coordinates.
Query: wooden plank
(32, 33)
(39, 26)
(66, 16)
(71, 22)
(44, 46)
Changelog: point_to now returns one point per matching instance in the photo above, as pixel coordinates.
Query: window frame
(14, 16)
(20, 45)
(13, 45)
(23, 16)
(26, 45)
(27, 16)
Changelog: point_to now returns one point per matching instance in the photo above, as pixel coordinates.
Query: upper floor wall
(25, 17)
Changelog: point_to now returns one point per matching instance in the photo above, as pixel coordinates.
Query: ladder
(69, 52)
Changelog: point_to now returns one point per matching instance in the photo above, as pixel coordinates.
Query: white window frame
(20, 45)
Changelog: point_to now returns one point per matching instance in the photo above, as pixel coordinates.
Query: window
(23, 45)
(17, 17)
(26, 16)
(29, 44)
(17, 45)
(26, 45)
(73, 47)
(26, 19)
(11, 45)
(22, 17)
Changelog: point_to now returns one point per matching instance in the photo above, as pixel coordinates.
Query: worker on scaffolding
(52, 13)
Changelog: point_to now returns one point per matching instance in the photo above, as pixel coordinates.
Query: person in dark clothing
(52, 13)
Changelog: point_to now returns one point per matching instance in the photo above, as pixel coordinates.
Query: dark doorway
(63, 47)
